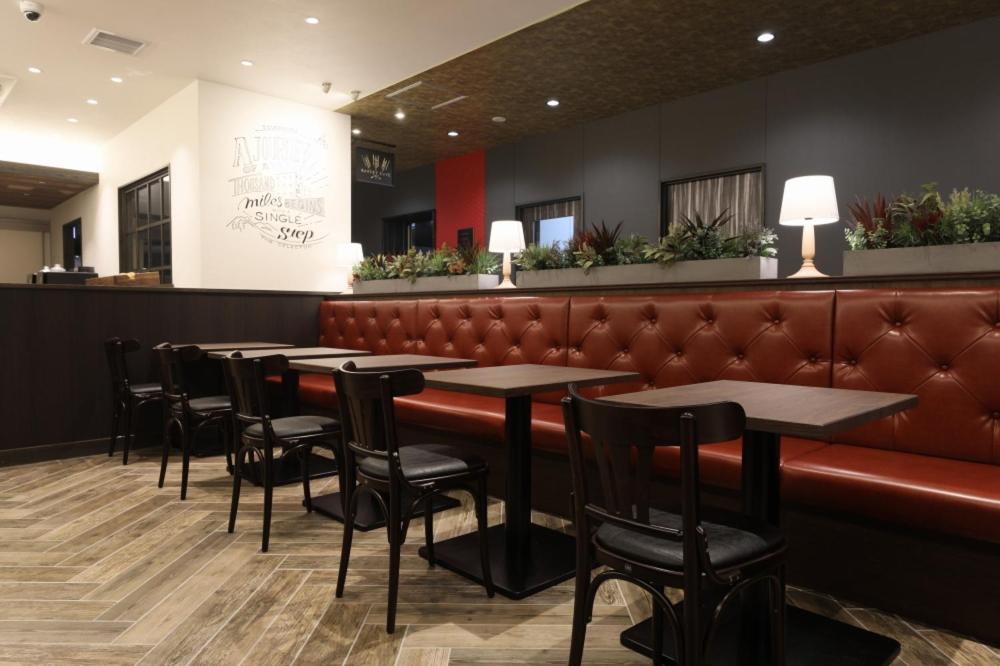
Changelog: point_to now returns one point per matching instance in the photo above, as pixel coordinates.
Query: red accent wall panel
(460, 198)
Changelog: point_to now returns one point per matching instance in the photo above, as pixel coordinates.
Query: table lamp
(349, 254)
(506, 236)
(808, 201)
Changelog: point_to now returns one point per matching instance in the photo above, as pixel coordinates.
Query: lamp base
(506, 284)
(808, 270)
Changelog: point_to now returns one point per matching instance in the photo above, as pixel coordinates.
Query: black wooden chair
(711, 562)
(402, 477)
(127, 398)
(188, 416)
(258, 434)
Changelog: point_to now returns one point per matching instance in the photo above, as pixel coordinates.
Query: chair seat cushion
(210, 403)
(291, 427)
(425, 461)
(729, 545)
(939, 494)
(721, 465)
(145, 389)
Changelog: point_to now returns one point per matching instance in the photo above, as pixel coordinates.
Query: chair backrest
(624, 438)
(172, 360)
(366, 408)
(115, 350)
(246, 379)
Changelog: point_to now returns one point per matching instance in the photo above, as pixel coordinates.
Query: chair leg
(187, 434)
(237, 481)
(482, 524)
(304, 454)
(778, 618)
(129, 425)
(349, 498)
(657, 642)
(581, 615)
(429, 529)
(116, 415)
(394, 525)
(268, 499)
(167, 430)
(228, 428)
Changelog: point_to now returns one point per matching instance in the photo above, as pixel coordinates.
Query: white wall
(21, 253)
(166, 136)
(82, 206)
(23, 242)
(275, 191)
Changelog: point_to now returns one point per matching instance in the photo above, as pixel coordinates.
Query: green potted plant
(924, 233)
(696, 250)
(444, 269)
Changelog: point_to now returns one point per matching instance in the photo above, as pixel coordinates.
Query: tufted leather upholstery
(780, 337)
(942, 345)
(382, 327)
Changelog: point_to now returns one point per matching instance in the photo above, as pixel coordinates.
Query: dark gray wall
(884, 120)
(414, 192)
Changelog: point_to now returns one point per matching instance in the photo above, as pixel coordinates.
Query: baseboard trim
(58, 451)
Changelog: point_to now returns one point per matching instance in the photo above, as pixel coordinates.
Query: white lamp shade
(349, 254)
(809, 200)
(506, 236)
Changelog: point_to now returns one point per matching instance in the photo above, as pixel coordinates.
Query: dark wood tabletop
(784, 409)
(291, 352)
(230, 346)
(506, 381)
(379, 362)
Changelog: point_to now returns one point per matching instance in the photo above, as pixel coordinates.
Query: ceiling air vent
(112, 42)
(6, 85)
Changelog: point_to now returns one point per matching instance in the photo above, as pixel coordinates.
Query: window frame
(131, 257)
(533, 233)
(709, 175)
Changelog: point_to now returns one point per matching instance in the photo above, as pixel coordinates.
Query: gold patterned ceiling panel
(605, 57)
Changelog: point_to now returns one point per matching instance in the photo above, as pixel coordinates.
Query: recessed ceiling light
(35, 70)
(117, 79)
(452, 133)
(499, 119)
(72, 120)
(246, 63)
(765, 37)
(92, 101)
(356, 132)
(553, 103)
(400, 115)
(312, 20)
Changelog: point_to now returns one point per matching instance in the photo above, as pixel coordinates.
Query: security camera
(32, 10)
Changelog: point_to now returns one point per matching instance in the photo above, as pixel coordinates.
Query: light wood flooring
(98, 566)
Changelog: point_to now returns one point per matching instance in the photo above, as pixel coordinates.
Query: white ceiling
(361, 45)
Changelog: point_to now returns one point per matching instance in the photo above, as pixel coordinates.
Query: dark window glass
(144, 226)
(549, 222)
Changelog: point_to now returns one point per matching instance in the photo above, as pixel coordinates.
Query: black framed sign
(465, 237)
(377, 167)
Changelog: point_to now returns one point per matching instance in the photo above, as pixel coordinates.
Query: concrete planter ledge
(424, 284)
(709, 270)
(965, 258)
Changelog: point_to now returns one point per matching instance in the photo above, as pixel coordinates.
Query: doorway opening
(72, 244)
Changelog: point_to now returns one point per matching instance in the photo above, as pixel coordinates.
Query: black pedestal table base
(810, 640)
(550, 560)
(369, 516)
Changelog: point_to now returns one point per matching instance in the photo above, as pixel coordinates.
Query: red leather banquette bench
(934, 469)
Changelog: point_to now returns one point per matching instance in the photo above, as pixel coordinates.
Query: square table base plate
(552, 560)
(369, 516)
(810, 639)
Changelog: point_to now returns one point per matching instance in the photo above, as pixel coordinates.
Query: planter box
(424, 284)
(709, 270)
(966, 258)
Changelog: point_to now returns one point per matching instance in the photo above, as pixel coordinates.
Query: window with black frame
(551, 222)
(739, 192)
(144, 226)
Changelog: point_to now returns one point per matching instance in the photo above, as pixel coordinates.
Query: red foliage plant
(865, 213)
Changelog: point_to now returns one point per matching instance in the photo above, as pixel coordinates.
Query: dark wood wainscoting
(54, 384)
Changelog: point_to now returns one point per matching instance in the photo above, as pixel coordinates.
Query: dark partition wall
(54, 386)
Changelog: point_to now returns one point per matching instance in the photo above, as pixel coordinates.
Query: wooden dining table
(525, 557)
(231, 346)
(369, 515)
(773, 410)
(288, 352)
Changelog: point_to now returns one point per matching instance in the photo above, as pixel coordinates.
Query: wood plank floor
(98, 566)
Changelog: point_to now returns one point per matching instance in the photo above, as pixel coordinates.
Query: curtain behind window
(741, 193)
